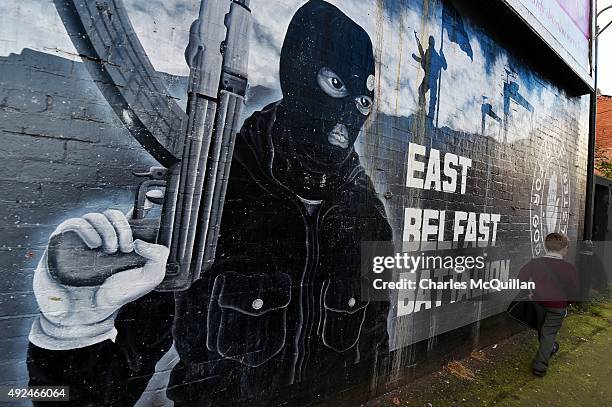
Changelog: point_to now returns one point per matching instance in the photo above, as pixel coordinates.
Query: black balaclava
(327, 77)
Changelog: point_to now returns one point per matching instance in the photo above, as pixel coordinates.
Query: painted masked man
(282, 305)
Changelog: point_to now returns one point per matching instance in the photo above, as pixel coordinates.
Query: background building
(604, 125)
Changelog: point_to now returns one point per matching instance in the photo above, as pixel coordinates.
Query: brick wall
(65, 153)
(603, 133)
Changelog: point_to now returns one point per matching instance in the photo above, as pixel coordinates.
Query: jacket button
(257, 304)
(351, 302)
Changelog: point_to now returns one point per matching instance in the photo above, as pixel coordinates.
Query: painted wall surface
(403, 122)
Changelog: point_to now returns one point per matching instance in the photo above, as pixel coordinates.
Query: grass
(500, 375)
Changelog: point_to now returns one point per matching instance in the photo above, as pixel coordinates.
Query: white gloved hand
(75, 317)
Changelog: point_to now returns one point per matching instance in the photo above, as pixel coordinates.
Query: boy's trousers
(551, 318)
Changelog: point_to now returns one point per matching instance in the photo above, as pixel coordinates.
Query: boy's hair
(556, 242)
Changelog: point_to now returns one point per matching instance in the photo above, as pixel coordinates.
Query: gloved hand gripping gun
(192, 203)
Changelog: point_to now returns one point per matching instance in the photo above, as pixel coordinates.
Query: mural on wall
(275, 151)
(281, 304)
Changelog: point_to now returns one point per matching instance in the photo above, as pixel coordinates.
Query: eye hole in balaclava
(327, 77)
(334, 86)
(331, 83)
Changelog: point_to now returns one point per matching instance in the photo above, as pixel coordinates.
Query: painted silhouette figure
(487, 110)
(432, 63)
(512, 93)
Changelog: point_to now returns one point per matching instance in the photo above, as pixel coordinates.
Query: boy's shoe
(555, 349)
(539, 373)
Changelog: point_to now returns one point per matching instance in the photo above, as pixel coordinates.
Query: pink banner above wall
(565, 25)
(580, 13)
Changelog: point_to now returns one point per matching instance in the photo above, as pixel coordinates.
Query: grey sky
(605, 50)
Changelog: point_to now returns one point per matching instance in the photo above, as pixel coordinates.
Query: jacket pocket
(247, 316)
(344, 311)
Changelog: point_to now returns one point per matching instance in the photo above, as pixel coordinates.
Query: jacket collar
(553, 255)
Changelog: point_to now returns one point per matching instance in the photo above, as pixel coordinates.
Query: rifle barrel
(218, 58)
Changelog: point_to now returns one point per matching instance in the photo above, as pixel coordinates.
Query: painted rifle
(194, 186)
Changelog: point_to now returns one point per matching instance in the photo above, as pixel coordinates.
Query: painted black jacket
(282, 305)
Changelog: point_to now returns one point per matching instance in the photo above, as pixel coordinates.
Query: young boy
(556, 285)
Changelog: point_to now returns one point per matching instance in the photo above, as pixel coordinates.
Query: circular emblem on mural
(550, 196)
(370, 83)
